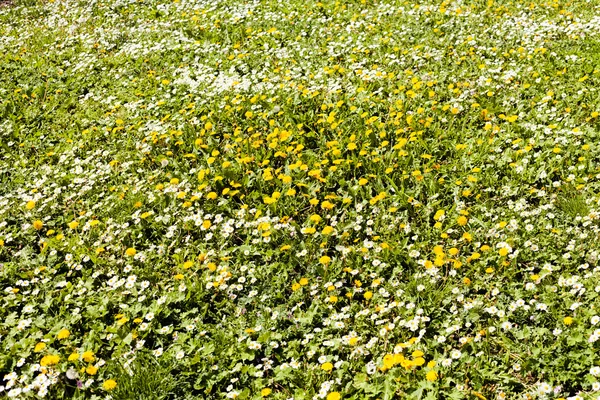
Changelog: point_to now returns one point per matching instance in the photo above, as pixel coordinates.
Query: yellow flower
(327, 205)
(73, 357)
(462, 220)
(304, 281)
(91, 370)
(265, 392)
(388, 361)
(63, 334)
(503, 251)
(30, 205)
(109, 384)
(328, 230)
(39, 347)
(431, 376)
(325, 260)
(568, 320)
(295, 286)
(73, 224)
(88, 356)
(315, 218)
(130, 252)
(368, 295)
(419, 361)
(327, 366)
(37, 225)
(49, 360)
(333, 396)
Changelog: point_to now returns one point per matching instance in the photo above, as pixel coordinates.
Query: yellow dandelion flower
(88, 356)
(49, 360)
(109, 384)
(91, 370)
(325, 260)
(431, 376)
(327, 366)
(39, 347)
(63, 334)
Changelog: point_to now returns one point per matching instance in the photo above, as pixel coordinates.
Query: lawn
(286, 199)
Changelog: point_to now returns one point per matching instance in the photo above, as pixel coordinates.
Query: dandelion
(431, 376)
(109, 384)
(49, 360)
(63, 334)
(327, 366)
(333, 396)
(325, 260)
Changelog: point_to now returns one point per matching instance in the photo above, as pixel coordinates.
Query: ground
(310, 200)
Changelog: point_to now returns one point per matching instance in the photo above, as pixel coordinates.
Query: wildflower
(49, 360)
(88, 356)
(325, 260)
(91, 370)
(39, 347)
(333, 396)
(431, 376)
(109, 384)
(63, 334)
(327, 366)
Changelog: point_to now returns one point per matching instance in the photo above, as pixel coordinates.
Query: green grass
(357, 200)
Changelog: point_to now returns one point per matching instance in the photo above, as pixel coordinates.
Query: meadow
(361, 199)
